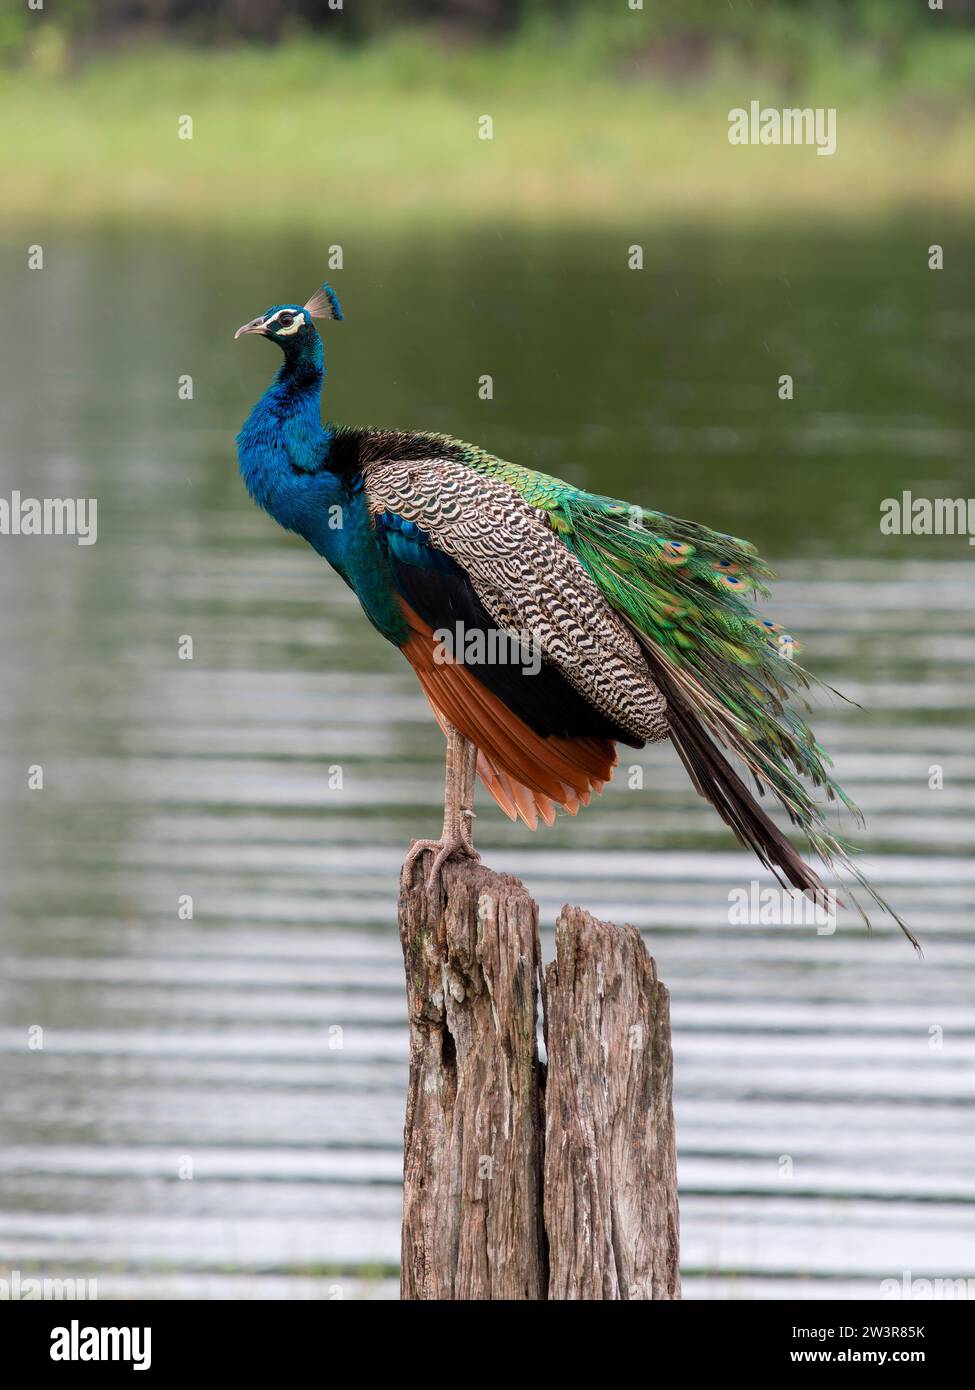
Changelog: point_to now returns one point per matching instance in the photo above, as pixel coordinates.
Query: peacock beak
(254, 326)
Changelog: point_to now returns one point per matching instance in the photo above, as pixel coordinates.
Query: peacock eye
(286, 320)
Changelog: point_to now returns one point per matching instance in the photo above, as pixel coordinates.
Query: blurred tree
(215, 20)
(761, 27)
(270, 19)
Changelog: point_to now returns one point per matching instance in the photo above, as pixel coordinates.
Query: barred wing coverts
(527, 581)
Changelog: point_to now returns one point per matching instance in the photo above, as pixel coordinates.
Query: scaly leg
(458, 811)
(467, 785)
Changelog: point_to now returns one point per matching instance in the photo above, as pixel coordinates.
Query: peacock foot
(456, 841)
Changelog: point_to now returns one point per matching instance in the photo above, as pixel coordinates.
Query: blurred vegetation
(903, 38)
(599, 110)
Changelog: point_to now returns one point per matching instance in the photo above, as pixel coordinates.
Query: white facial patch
(286, 332)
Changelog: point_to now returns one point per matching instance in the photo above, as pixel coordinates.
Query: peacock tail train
(728, 675)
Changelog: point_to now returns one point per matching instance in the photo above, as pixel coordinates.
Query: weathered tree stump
(523, 1181)
(472, 1210)
(610, 1183)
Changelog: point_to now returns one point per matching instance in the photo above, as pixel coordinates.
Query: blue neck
(284, 453)
(283, 437)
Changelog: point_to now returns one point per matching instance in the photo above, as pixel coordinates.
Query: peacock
(545, 623)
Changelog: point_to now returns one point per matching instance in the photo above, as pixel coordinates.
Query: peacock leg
(458, 811)
(468, 783)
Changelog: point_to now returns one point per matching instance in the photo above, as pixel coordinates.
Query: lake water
(823, 1083)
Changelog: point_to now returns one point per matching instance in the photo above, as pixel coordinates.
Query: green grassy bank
(388, 130)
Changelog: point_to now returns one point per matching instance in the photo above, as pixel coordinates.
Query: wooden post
(610, 1180)
(518, 1185)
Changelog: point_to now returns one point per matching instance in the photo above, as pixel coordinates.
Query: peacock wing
(527, 580)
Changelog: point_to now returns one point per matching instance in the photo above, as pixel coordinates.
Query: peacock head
(290, 325)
